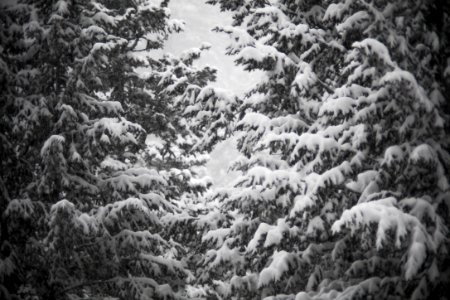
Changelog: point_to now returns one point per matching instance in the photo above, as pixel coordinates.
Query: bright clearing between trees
(224, 149)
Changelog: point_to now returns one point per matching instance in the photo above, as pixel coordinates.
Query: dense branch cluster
(344, 170)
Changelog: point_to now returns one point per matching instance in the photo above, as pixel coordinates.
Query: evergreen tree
(82, 195)
(202, 116)
(14, 169)
(344, 188)
(191, 116)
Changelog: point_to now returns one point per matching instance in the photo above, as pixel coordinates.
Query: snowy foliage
(344, 190)
(102, 148)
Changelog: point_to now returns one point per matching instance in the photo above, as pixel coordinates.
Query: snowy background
(200, 19)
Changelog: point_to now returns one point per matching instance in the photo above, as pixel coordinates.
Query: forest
(342, 179)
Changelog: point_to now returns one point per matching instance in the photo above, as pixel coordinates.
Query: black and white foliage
(344, 189)
(82, 193)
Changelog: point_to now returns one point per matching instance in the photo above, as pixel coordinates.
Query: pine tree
(13, 168)
(84, 196)
(201, 116)
(344, 192)
(191, 117)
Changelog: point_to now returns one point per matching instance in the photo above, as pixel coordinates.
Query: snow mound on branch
(270, 234)
(301, 202)
(362, 181)
(22, 207)
(389, 218)
(399, 75)
(357, 20)
(282, 262)
(53, 141)
(423, 152)
(393, 154)
(255, 120)
(334, 107)
(373, 47)
(222, 255)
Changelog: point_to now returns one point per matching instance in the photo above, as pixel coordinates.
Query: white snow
(399, 75)
(372, 46)
(362, 181)
(224, 254)
(304, 79)
(61, 7)
(276, 233)
(386, 216)
(22, 207)
(358, 20)
(334, 107)
(423, 152)
(53, 141)
(301, 202)
(334, 11)
(315, 226)
(393, 154)
(218, 236)
(255, 120)
(282, 261)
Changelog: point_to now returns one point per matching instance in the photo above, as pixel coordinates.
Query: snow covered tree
(201, 116)
(82, 195)
(85, 219)
(13, 169)
(191, 116)
(344, 189)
